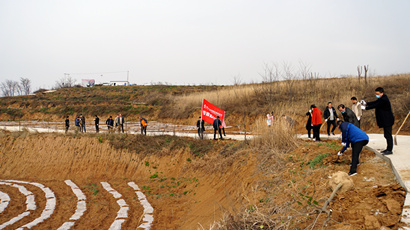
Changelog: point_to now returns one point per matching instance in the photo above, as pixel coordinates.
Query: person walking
(97, 124)
(316, 122)
(67, 124)
(357, 109)
(348, 115)
(110, 124)
(309, 123)
(121, 122)
(201, 127)
(330, 116)
(384, 117)
(144, 124)
(217, 124)
(223, 126)
(352, 134)
(77, 123)
(117, 123)
(83, 129)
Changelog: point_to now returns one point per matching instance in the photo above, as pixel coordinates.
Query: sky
(199, 42)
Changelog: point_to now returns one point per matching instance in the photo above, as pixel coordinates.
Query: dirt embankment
(198, 184)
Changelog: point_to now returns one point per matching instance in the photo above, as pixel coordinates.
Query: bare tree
(366, 68)
(65, 82)
(290, 78)
(9, 88)
(359, 71)
(269, 88)
(25, 84)
(19, 88)
(4, 89)
(237, 81)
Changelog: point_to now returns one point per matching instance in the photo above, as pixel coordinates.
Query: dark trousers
(356, 149)
(97, 128)
(66, 128)
(144, 130)
(389, 137)
(309, 130)
(201, 133)
(329, 123)
(83, 130)
(121, 128)
(220, 134)
(316, 132)
(223, 130)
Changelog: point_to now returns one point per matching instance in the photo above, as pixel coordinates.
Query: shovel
(395, 136)
(338, 156)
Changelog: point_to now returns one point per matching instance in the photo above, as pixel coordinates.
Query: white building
(119, 83)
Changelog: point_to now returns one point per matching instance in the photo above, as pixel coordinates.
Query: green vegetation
(318, 160)
(93, 188)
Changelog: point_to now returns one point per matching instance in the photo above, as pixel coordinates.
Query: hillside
(181, 104)
(193, 184)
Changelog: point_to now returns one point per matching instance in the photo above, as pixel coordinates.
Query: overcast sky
(199, 42)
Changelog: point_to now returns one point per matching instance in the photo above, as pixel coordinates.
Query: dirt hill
(194, 184)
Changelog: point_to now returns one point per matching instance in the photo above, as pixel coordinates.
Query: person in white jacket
(356, 108)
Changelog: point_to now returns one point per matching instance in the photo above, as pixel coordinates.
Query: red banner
(210, 111)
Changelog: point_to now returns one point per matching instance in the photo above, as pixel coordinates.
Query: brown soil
(191, 193)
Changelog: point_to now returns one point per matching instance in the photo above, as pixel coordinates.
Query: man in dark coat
(384, 117)
(110, 124)
(67, 124)
(217, 126)
(201, 127)
(97, 124)
(330, 116)
(348, 115)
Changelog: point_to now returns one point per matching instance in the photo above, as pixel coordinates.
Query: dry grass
(294, 97)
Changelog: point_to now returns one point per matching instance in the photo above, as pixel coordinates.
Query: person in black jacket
(309, 122)
(217, 126)
(97, 124)
(330, 116)
(67, 124)
(110, 124)
(201, 128)
(348, 115)
(384, 117)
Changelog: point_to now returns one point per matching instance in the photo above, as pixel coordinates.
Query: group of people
(113, 125)
(350, 126)
(218, 125)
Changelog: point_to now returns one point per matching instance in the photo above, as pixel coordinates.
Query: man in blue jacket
(384, 117)
(355, 136)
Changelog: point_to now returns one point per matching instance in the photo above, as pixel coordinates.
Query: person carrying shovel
(355, 136)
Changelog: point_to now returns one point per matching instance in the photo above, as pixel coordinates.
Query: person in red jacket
(316, 122)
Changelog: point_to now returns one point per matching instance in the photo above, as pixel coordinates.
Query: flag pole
(202, 107)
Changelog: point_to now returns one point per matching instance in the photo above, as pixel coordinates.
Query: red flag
(210, 111)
